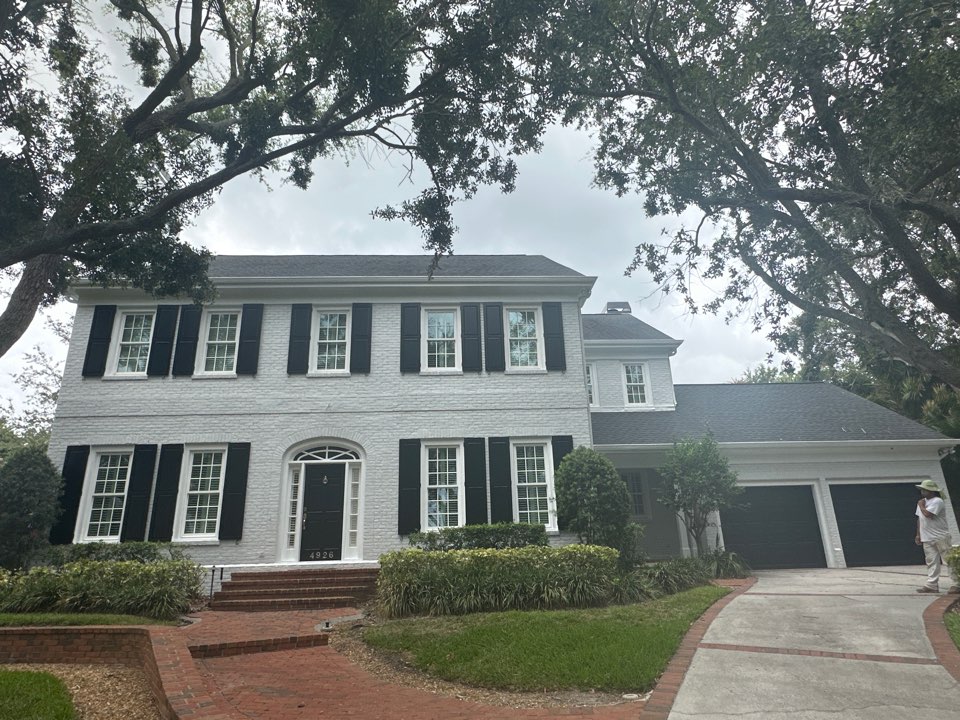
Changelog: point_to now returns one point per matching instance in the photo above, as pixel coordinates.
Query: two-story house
(324, 407)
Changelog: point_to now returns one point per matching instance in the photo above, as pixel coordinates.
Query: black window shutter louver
(562, 445)
(165, 493)
(410, 338)
(74, 470)
(470, 338)
(137, 503)
(408, 505)
(234, 491)
(98, 344)
(188, 335)
(501, 482)
(298, 350)
(475, 480)
(161, 346)
(553, 336)
(248, 347)
(361, 328)
(493, 337)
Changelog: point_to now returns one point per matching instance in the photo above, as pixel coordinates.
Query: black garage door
(777, 528)
(877, 523)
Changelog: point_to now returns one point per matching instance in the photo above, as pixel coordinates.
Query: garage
(777, 527)
(877, 523)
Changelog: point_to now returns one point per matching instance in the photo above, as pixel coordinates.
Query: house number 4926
(321, 555)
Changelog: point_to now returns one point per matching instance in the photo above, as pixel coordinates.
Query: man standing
(932, 532)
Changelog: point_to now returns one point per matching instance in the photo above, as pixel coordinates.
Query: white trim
(547, 444)
(647, 389)
(593, 391)
(537, 310)
(425, 446)
(200, 361)
(315, 313)
(424, 339)
(86, 498)
(180, 516)
(790, 444)
(114, 356)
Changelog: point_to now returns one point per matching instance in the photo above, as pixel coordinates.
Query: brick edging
(947, 653)
(659, 704)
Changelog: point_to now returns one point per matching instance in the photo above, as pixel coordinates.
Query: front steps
(305, 589)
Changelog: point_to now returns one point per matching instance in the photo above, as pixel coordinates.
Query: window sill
(198, 542)
(526, 371)
(328, 373)
(106, 541)
(451, 371)
(126, 376)
(214, 376)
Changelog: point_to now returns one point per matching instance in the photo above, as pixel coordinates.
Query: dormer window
(635, 384)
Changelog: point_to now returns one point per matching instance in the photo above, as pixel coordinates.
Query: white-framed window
(442, 485)
(134, 333)
(201, 494)
(106, 495)
(221, 333)
(533, 493)
(440, 348)
(524, 338)
(330, 341)
(638, 489)
(591, 378)
(636, 389)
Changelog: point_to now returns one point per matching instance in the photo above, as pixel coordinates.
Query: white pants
(933, 552)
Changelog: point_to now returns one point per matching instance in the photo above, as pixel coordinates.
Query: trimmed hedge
(471, 537)
(139, 551)
(164, 589)
(417, 582)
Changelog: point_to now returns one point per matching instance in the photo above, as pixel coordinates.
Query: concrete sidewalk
(813, 644)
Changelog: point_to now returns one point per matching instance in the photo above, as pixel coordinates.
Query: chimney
(617, 308)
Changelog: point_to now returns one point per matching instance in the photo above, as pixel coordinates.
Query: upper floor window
(591, 384)
(220, 338)
(524, 338)
(443, 486)
(533, 484)
(635, 384)
(332, 344)
(441, 349)
(108, 497)
(133, 343)
(201, 493)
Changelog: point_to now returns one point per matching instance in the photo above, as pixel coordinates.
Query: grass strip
(41, 619)
(952, 620)
(622, 648)
(28, 695)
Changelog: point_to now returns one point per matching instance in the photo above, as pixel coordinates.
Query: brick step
(331, 575)
(300, 582)
(232, 591)
(267, 605)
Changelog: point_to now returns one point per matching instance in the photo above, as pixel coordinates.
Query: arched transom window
(328, 453)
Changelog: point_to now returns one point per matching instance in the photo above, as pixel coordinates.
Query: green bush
(416, 582)
(721, 563)
(163, 589)
(677, 574)
(471, 537)
(145, 552)
(30, 489)
(592, 498)
(634, 586)
(952, 559)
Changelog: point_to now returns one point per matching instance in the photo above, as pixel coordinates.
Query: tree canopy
(100, 175)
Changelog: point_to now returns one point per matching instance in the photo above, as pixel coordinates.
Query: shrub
(145, 552)
(415, 582)
(677, 574)
(722, 563)
(470, 537)
(30, 489)
(633, 586)
(592, 498)
(631, 547)
(952, 558)
(163, 589)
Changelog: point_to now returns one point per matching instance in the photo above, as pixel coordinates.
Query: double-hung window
(533, 484)
(591, 377)
(443, 486)
(221, 334)
(201, 494)
(104, 516)
(524, 339)
(331, 341)
(637, 489)
(441, 341)
(635, 386)
(133, 343)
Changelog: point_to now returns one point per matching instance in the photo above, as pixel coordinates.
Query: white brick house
(326, 406)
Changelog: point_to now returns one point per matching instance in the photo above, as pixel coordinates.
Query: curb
(947, 653)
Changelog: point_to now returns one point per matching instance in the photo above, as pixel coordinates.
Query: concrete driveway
(871, 655)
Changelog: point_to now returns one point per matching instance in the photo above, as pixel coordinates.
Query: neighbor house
(325, 407)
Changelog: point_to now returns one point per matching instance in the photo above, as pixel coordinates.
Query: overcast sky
(554, 212)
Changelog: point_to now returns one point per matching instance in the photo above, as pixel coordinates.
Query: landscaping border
(947, 653)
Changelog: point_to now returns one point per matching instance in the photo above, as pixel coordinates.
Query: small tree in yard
(697, 480)
(592, 498)
(30, 489)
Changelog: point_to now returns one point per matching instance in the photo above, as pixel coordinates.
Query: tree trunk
(26, 298)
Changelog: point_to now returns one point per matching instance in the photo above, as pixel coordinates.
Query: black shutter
(234, 491)
(138, 493)
(553, 336)
(161, 346)
(74, 470)
(562, 444)
(408, 506)
(501, 482)
(410, 337)
(185, 354)
(248, 349)
(470, 338)
(475, 479)
(298, 350)
(361, 326)
(493, 337)
(165, 494)
(98, 345)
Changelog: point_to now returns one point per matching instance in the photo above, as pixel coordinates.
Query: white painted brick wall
(611, 382)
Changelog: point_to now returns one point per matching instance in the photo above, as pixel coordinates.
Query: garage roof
(770, 412)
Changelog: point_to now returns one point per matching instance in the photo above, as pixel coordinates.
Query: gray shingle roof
(270, 266)
(610, 326)
(760, 413)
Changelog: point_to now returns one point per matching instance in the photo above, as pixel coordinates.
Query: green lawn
(952, 619)
(33, 696)
(33, 619)
(618, 649)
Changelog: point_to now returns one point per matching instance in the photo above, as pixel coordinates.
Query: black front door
(321, 534)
